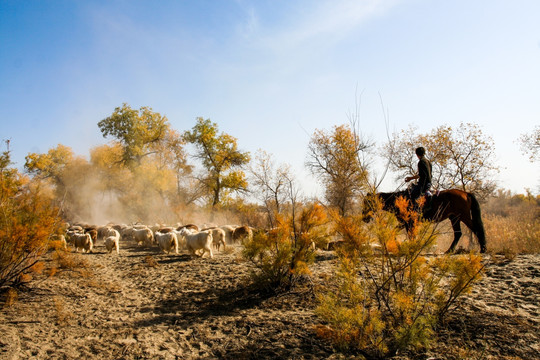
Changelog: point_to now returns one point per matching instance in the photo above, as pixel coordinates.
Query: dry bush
(62, 315)
(282, 255)
(9, 297)
(28, 221)
(387, 296)
(512, 224)
(513, 234)
(70, 261)
(150, 261)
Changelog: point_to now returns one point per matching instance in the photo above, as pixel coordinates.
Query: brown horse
(457, 205)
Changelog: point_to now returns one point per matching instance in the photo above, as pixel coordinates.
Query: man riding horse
(456, 205)
(424, 176)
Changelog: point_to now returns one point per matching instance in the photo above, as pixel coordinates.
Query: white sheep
(71, 232)
(112, 243)
(112, 240)
(218, 237)
(112, 232)
(198, 241)
(82, 241)
(167, 241)
(143, 236)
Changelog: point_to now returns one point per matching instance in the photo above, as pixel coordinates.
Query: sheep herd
(197, 240)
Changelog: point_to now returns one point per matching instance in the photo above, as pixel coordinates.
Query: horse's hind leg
(479, 235)
(457, 233)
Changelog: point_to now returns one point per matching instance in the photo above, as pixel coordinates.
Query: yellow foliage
(335, 157)
(392, 246)
(29, 220)
(284, 253)
(387, 301)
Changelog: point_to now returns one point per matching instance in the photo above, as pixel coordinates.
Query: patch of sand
(143, 304)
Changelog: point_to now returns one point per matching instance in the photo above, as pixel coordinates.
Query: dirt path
(142, 304)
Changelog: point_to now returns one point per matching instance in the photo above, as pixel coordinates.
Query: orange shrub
(28, 220)
(283, 254)
(386, 295)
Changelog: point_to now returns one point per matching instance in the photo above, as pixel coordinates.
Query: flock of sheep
(168, 238)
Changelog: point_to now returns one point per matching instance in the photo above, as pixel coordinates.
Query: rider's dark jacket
(424, 173)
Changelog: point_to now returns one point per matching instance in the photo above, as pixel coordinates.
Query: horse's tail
(478, 225)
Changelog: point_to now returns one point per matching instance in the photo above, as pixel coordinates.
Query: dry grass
(228, 250)
(513, 224)
(150, 261)
(9, 297)
(513, 234)
(69, 261)
(62, 315)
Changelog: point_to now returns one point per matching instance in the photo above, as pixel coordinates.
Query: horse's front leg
(456, 226)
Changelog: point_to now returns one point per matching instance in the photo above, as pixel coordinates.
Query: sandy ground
(146, 305)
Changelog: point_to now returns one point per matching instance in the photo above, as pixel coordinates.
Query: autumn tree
(462, 157)
(106, 160)
(155, 156)
(51, 165)
(138, 131)
(336, 158)
(270, 184)
(146, 192)
(68, 174)
(530, 144)
(221, 159)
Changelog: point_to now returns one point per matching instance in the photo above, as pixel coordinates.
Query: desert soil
(145, 305)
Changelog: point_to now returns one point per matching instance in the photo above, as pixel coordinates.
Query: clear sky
(271, 72)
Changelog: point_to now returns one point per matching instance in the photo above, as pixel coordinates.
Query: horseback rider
(424, 175)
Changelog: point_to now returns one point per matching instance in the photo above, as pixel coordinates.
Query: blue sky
(271, 72)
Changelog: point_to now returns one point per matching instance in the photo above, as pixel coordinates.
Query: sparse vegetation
(28, 221)
(513, 223)
(388, 297)
(282, 255)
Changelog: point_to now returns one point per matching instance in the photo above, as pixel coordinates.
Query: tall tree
(138, 131)
(336, 158)
(66, 173)
(462, 157)
(51, 165)
(271, 184)
(530, 144)
(221, 159)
